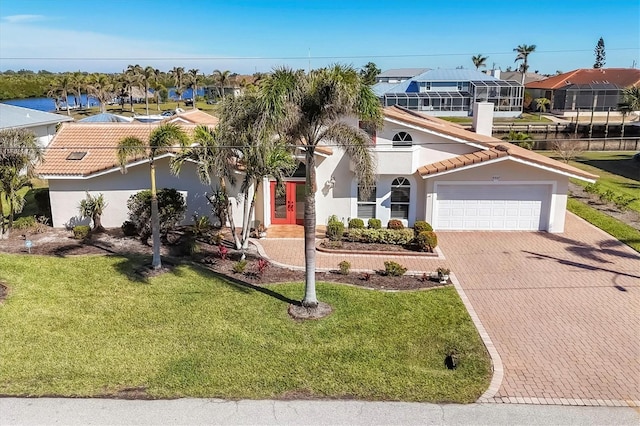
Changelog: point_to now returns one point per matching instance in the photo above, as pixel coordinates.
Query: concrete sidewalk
(60, 411)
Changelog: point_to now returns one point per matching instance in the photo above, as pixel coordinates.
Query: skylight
(76, 155)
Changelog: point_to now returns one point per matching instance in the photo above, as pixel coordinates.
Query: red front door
(287, 207)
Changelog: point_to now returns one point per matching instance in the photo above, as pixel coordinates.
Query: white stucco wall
(66, 194)
(508, 172)
(44, 133)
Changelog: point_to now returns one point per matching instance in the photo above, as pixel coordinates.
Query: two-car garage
(497, 206)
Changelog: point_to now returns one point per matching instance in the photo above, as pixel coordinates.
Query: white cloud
(13, 19)
(32, 46)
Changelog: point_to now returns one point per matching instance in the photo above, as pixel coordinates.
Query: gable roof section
(97, 140)
(490, 148)
(622, 77)
(15, 117)
(193, 116)
(402, 72)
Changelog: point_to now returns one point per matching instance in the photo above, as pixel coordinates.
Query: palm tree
(79, 84)
(194, 78)
(93, 207)
(19, 154)
(161, 140)
(308, 110)
(60, 89)
(222, 80)
(541, 105)
(177, 73)
(132, 78)
(631, 97)
(524, 51)
(146, 75)
(479, 60)
(101, 87)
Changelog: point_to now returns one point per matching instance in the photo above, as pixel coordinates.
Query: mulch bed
(57, 242)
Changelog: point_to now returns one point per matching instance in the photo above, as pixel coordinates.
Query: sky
(256, 36)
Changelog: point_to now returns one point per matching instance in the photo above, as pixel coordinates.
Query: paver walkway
(561, 309)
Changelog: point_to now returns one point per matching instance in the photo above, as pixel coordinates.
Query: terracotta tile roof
(493, 148)
(623, 77)
(97, 140)
(194, 116)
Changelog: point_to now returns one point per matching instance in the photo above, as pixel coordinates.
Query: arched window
(400, 198)
(402, 139)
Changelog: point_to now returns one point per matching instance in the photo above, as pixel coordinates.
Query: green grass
(616, 171)
(620, 230)
(82, 327)
(141, 109)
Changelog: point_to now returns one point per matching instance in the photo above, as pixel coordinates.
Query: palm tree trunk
(146, 96)
(156, 262)
(97, 223)
(1, 216)
(310, 300)
(195, 94)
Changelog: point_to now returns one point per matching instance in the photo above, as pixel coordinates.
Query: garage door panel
(492, 207)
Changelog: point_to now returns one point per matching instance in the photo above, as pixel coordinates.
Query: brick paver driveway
(563, 310)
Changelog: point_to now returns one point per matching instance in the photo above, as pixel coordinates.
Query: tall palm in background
(79, 85)
(479, 60)
(307, 110)
(131, 79)
(222, 79)
(177, 74)
(194, 79)
(147, 75)
(524, 51)
(60, 89)
(19, 154)
(162, 139)
(102, 87)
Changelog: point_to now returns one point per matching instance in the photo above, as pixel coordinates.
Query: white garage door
(492, 207)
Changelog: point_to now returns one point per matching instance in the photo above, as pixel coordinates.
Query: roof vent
(76, 155)
(502, 147)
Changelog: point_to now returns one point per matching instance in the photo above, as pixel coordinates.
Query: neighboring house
(106, 117)
(427, 169)
(450, 92)
(213, 92)
(42, 124)
(398, 75)
(585, 90)
(516, 76)
(192, 116)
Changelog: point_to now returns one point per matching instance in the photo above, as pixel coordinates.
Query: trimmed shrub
(189, 246)
(356, 223)
(374, 223)
(427, 241)
(332, 219)
(240, 266)
(335, 230)
(24, 222)
(344, 267)
(394, 269)
(81, 232)
(421, 226)
(395, 224)
(380, 236)
(129, 229)
(171, 208)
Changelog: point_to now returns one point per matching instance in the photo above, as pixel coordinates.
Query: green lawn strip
(620, 230)
(82, 327)
(608, 180)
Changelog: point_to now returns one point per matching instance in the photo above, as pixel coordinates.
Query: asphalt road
(61, 411)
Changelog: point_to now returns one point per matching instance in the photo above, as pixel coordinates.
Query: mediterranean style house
(448, 92)
(427, 169)
(589, 89)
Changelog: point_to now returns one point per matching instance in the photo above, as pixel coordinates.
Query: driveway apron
(561, 309)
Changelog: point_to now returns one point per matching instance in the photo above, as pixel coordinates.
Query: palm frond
(357, 145)
(129, 147)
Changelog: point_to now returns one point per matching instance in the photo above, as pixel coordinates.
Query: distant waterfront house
(42, 124)
(449, 92)
(585, 89)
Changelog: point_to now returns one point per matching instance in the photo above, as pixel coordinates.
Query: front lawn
(85, 326)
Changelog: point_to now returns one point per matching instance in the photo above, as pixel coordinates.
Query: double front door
(287, 206)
